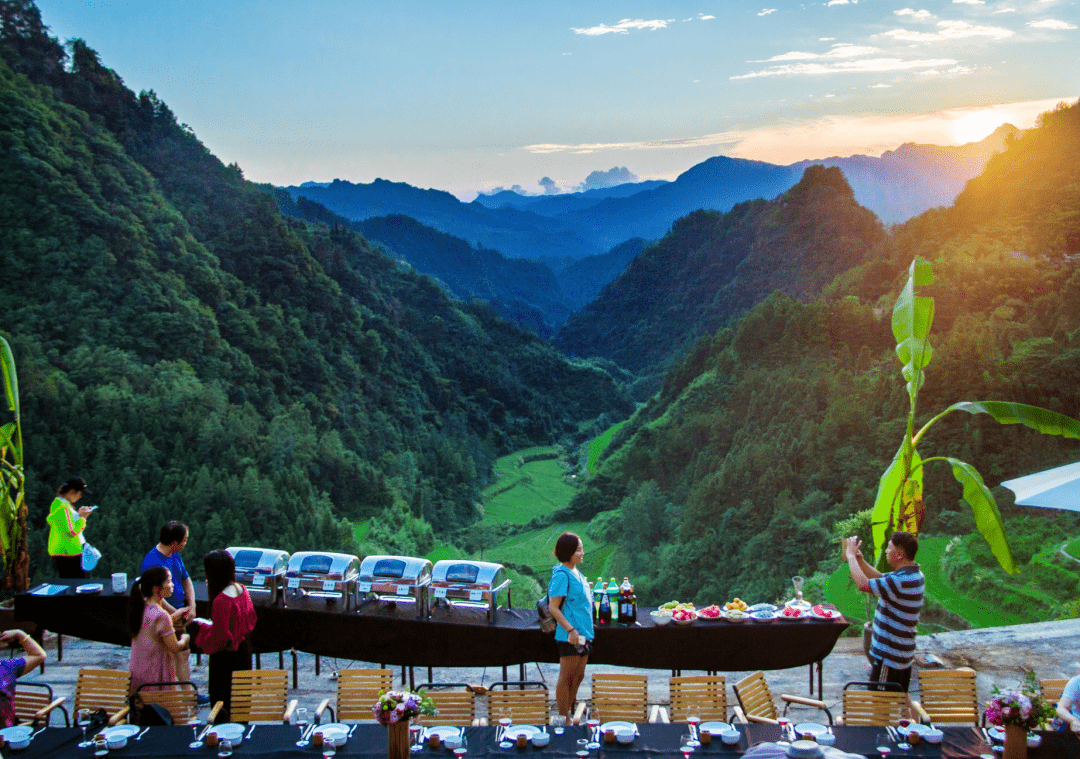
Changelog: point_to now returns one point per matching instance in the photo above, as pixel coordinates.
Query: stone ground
(999, 655)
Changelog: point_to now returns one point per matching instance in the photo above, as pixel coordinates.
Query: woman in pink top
(153, 639)
(225, 636)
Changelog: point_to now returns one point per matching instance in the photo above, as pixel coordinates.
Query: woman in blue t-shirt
(570, 601)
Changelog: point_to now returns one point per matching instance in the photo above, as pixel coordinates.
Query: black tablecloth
(391, 634)
(370, 740)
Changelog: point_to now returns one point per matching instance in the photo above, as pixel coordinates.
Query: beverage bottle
(625, 617)
(597, 591)
(633, 605)
(605, 609)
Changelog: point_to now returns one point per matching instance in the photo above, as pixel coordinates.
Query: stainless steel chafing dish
(321, 574)
(468, 583)
(262, 570)
(395, 579)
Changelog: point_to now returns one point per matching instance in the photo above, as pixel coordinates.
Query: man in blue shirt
(181, 604)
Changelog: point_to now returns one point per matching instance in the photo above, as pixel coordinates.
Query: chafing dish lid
(248, 559)
(322, 563)
(395, 568)
(474, 573)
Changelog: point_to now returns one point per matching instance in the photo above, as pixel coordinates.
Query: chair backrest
(31, 698)
(1051, 688)
(706, 693)
(180, 700)
(102, 689)
(755, 698)
(358, 690)
(523, 706)
(620, 697)
(872, 707)
(455, 702)
(258, 695)
(949, 695)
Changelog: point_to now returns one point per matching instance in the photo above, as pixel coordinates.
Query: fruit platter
(737, 605)
(792, 611)
(825, 612)
(683, 616)
(763, 615)
(737, 615)
(711, 613)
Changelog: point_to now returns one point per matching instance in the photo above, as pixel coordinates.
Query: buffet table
(370, 740)
(392, 634)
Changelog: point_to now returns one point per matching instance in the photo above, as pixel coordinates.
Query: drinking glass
(785, 729)
(416, 736)
(505, 720)
(301, 717)
(798, 581)
(882, 742)
(460, 752)
(905, 722)
(82, 719)
(558, 722)
(593, 723)
(685, 747)
(583, 747)
(224, 749)
(693, 719)
(328, 749)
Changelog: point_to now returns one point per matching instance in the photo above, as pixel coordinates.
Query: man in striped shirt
(900, 599)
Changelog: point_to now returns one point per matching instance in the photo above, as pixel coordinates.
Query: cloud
(705, 17)
(969, 2)
(841, 2)
(1005, 10)
(829, 136)
(623, 27)
(880, 86)
(549, 185)
(767, 11)
(948, 31)
(839, 51)
(616, 175)
(1051, 23)
(867, 65)
(825, 39)
(917, 15)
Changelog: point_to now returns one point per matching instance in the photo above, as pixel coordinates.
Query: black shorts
(880, 672)
(565, 649)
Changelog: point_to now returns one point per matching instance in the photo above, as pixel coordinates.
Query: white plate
(230, 731)
(713, 728)
(616, 725)
(802, 613)
(763, 615)
(16, 733)
(514, 731)
(120, 731)
(90, 587)
(443, 731)
(762, 607)
(919, 728)
(997, 734)
(332, 727)
(810, 728)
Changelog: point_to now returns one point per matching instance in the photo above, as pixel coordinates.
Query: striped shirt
(900, 599)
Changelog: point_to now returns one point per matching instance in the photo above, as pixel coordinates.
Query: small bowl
(19, 744)
(452, 742)
(730, 737)
(624, 735)
(541, 739)
(933, 735)
(660, 618)
(825, 739)
(116, 743)
(336, 738)
(1034, 740)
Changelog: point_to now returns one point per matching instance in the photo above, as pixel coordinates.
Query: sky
(470, 96)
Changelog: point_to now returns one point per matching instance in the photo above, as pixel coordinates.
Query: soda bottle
(625, 617)
(597, 591)
(605, 609)
(633, 605)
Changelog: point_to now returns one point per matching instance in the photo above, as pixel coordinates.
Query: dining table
(652, 740)
(393, 633)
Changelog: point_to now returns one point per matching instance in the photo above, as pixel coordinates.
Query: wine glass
(558, 723)
(82, 719)
(693, 719)
(785, 728)
(594, 728)
(460, 751)
(798, 581)
(416, 736)
(301, 717)
(583, 747)
(882, 742)
(685, 747)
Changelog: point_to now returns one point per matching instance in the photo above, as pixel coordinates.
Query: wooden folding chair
(948, 695)
(103, 689)
(706, 695)
(179, 699)
(259, 695)
(528, 704)
(756, 701)
(357, 692)
(1051, 688)
(873, 707)
(456, 708)
(34, 704)
(620, 697)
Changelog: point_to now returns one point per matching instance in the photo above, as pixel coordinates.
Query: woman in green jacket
(66, 525)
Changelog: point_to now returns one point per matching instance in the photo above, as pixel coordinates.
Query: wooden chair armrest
(479, 690)
(287, 716)
(479, 722)
(658, 714)
(761, 720)
(579, 712)
(923, 716)
(738, 716)
(119, 717)
(215, 712)
(322, 708)
(43, 712)
(804, 701)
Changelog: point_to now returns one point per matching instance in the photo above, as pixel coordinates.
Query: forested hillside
(772, 430)
(196, 355)
(713, 267)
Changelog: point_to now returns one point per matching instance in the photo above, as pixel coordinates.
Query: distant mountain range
(896, 186)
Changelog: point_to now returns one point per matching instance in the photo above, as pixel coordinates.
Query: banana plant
(13, 548)
(899, 502)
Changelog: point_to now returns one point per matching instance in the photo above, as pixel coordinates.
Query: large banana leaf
(887, 504)
(10, 378)
(1040, 419)
(912, 318)
(987, 516)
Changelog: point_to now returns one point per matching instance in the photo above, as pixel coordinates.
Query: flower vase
(398, 740)
(1015, 742)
